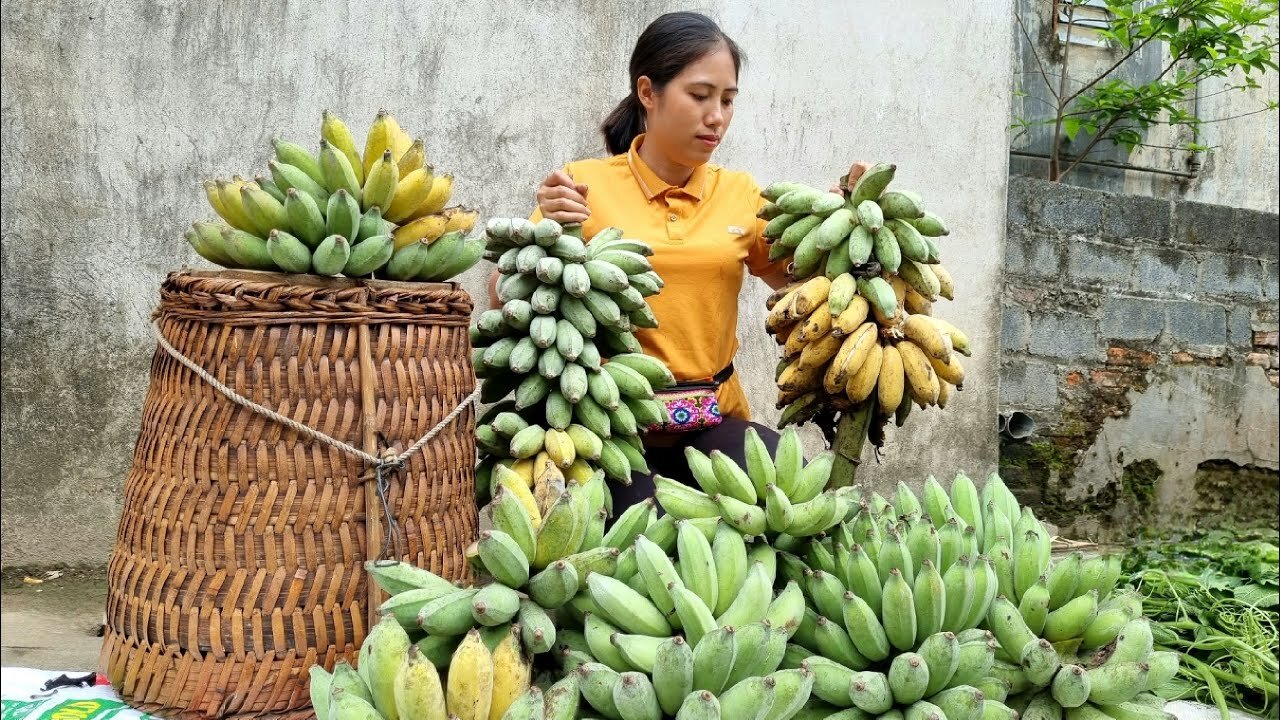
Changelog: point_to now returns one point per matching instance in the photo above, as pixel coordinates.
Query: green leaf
(1070, 127)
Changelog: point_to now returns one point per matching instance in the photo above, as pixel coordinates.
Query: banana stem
(851, 435)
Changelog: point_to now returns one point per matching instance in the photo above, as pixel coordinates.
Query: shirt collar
(652, 186)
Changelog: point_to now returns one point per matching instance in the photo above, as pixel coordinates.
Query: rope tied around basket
(384, 467)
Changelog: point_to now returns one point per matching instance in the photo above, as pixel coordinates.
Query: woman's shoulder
(733, 181)
(596, 167)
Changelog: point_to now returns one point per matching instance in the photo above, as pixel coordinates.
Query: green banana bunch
(322, 213)
(562, 346)
(778, 497)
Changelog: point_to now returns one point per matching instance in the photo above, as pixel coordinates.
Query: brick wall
(1108, 298)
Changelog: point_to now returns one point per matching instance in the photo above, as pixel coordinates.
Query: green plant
(1203, 39)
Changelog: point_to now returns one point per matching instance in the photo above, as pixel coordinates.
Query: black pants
(729, 437)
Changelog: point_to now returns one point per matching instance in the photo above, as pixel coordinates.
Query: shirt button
(672, 217)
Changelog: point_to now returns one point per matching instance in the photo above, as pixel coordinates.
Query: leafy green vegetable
(1216, 599)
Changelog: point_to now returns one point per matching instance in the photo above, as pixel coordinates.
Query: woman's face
(690, 116)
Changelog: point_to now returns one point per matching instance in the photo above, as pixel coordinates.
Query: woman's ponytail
(665, 48)
(623, 125)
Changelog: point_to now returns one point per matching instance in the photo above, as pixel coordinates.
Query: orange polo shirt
(704, 235)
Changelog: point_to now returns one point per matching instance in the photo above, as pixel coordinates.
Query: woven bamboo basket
(239, 557)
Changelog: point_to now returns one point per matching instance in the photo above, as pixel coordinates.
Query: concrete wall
(1141, 336)
(113, 113)
(1242, 169)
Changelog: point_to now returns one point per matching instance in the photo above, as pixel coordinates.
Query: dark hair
(665, 48)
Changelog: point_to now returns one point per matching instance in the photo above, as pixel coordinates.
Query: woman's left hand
(855, 171)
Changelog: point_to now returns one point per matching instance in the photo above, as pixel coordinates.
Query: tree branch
(1036, 54)
(1111, 69)
(1233, 117)
(1055, 148)
(1089, 148)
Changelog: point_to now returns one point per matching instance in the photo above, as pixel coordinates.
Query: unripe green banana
(673, 673)
(1007, 624)
(833, 641)
(635, 613)
(596, 681)
(976, 660)
(331, 255)
(898, 611)
(449, 614)
(872, 692)
(985, 589)
(494, 605)
(346, 705)
(1070, 686)
(697, 565)
(751, 602)
(864, 579)
(1163, 666)
(1114, 683)
(383, 652)
(1063, 579)
(746, 518)
(555, 585)
(1040, 661)
(1034, 605)
(963, 702)
(713, 658)
(750, 699)
(599, 633)
(924, 710)
(831, 681)
(699, 706)
(929, 595)
(787, 609)
(504, 558)
(864, 628)
(941, 653)
(1070, 620)
(894, 555)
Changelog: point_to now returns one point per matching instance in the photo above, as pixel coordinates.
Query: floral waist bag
(693, 405)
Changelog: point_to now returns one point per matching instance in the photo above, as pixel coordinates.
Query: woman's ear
(644, 91)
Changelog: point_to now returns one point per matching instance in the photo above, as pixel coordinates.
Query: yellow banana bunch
(855, 323)
(368, 212)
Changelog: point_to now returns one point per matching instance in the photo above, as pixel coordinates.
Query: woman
(700, 220)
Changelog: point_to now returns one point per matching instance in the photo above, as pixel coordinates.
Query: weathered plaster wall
(113, 113)
(1141, 335)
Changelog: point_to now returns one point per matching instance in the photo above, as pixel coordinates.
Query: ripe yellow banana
(946, 285)
(337, 134)
(818, 353)
(793, 345)
(852, 318)
(469, 694)
(926, 334)
(862, 382)
(777, 295)
(428, 227)
(853, 353)
(461, 219)
(959, 341)
(890, 386)
(944, 394)
(782, 313)
(816, 325)
(794, 378)
(917, 304)
(922, 382)
(414, 158)
(400, 142)
(441, 192)
(411, 190)
(950, 371)
(233, 205)
(899, 286)
(812, 294)
(511, 673)
(379, 140)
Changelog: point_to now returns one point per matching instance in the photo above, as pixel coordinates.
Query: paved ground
(53, 625)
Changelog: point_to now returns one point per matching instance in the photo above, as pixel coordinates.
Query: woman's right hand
(563, 200)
